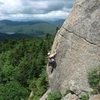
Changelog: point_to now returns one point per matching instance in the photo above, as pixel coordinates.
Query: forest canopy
(22, 67)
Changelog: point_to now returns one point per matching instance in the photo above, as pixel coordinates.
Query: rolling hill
(4, 36)
(31, 28)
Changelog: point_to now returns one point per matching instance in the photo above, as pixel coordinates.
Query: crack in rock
(80, 37)
(62, 35)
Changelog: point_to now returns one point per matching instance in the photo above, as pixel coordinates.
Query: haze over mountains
(32, 17)
(34, 28)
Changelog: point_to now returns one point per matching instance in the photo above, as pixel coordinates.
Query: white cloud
(34, 9)
(52, 15)
(10, 6)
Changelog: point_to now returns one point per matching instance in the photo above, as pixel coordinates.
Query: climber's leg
(51, 69)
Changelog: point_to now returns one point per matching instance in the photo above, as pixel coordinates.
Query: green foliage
(54, 96)
(39, 86)
(94, 80)
(84, 97)
(22, 67)
(13, 91)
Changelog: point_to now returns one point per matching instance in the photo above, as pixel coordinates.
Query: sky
(34, 9)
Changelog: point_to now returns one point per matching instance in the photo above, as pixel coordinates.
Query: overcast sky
(34, 9)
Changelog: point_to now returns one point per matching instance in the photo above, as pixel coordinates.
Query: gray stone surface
(95, 97)
(70, 97)
(45, 96)
(78, 48)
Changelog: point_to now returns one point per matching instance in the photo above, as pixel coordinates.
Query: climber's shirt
(52, 55)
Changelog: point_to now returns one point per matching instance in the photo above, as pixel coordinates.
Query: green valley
(31, 28)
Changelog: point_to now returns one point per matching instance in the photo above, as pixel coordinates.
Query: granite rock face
(95, 97)
(70, 97)
(77, 44)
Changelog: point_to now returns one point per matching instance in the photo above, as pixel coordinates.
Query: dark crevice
(80, 37)
(78, 95)
(73, 93)
(62, 35)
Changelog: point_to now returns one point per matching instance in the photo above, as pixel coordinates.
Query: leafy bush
(84, 97)
(54, 96)
(94, 80)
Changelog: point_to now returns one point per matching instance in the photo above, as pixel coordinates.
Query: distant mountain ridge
(4, 36)
(9, 22)
(30, 28)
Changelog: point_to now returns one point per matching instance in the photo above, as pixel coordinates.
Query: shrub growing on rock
(94, 80)
(84, 97)
(54, 96)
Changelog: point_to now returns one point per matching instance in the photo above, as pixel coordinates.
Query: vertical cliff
(77, 44)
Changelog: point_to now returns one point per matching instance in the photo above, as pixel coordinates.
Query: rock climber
(51, 60)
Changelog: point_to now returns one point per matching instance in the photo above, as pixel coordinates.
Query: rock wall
(77, 44)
